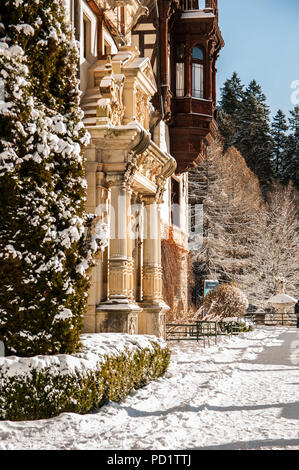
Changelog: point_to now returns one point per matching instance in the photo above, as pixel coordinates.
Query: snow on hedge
(94, 351)
(107, 367)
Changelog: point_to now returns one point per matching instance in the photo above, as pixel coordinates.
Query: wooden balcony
(190, 105)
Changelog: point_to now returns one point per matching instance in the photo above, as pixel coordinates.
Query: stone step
(90, 91)
(89, 105)
(90, 99)
(98, 79)
(90, 112)
(89, 121)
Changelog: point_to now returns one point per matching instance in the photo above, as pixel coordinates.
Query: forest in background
(248, 186)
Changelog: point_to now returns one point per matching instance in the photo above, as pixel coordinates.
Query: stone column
(152, 271)
(119, 314)
(152, 318)
(118, 258)
(130, 244)
(139, 294)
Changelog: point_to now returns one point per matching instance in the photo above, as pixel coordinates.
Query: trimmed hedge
(109, 367)
(237, 327)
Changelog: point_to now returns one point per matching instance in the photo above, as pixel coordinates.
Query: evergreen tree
(278, 131)
(253, 138)
(228, 112)
(44, 251)
(291, 158)
(231, 95)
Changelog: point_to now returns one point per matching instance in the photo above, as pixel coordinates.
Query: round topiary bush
(225, 301)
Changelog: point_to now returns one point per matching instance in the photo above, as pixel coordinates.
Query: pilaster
(152, 318)
(119, 313)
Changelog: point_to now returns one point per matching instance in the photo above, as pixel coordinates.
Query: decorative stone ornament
(133, 168)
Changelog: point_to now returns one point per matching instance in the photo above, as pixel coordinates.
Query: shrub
(108, 367)
(225, 301)
(236, 326)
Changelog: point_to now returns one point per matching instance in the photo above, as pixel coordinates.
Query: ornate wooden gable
(144, 35)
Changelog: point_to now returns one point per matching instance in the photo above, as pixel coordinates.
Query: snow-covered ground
(240, 394)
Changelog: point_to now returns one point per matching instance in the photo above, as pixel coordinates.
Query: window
(191, 4)
(197, 72)
(85, 27)
(180, 70)
(175, 200)
(86, 38)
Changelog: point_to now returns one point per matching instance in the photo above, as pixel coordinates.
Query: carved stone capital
(149, 199)
(115, 179)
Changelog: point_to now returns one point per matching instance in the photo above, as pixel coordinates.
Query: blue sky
(262, 42)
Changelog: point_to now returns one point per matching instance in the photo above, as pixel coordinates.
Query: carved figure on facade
(110, 108)
(148, 166)
(142, 108)
(132, 325)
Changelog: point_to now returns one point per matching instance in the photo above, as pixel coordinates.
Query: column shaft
(152, 270)
(118, 259)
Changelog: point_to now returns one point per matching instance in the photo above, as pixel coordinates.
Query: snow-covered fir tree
(229, 108)
(291, 158)
(253, 138)
(44, 244)
(243, 120)
(279, 128)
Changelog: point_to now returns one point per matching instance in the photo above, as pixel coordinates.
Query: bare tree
(230, 195)
(274, 245)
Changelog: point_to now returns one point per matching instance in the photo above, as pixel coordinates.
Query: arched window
(197, 72)
(180, 70)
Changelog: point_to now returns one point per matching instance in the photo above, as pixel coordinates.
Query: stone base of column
(152, 319)
(116, 317)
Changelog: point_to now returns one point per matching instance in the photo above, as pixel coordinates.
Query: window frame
(87, 38)
(191, 5)
(181, 61)
(201, 63)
